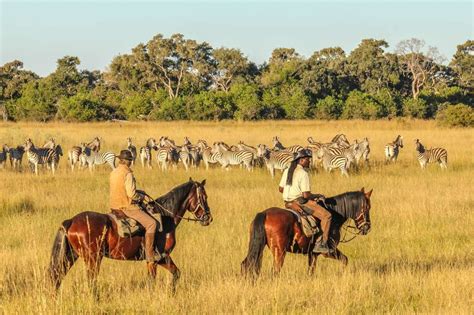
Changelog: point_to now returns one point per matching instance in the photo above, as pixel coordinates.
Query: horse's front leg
(312, 258)
(169, 265)
(338, 255)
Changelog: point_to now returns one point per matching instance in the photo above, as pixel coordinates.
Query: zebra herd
(339, 153)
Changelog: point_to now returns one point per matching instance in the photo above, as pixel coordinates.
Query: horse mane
(346, 204)
(173, 199)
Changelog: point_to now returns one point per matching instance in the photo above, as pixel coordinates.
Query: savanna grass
(418, 258)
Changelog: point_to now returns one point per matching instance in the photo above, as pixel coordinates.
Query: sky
(38, 33)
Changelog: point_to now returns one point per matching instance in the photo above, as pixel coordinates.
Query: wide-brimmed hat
(301, 154)
(125, 155)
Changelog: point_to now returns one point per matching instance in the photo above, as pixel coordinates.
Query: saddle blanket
(128, 227)
(308, 223)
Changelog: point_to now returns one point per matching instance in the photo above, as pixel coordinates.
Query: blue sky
(38, 33)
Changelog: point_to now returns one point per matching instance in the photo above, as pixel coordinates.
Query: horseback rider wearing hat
(125, 197)
(296, 190)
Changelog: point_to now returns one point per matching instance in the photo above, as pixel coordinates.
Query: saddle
(309, 224)
(128, 227)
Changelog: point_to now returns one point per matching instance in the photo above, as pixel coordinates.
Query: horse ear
(203, 182)
(369, 193)
(363, 190)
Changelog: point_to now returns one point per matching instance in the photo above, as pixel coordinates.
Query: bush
(389, 103)
(247, 101)
(328, 108)
(211, 105)
(80, 107)
(295, 102)
(415, 108)
(459, 115)
(360, 106)
(136, 105)
(36, 103)
(272, 104)
(171, 109)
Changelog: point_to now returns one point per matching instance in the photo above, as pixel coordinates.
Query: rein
(349, 229)
(173, 215)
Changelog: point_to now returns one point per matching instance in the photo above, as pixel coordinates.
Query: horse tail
(62, 255)
(253, 262)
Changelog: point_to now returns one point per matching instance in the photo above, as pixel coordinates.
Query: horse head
(197, 203)
(362, 216)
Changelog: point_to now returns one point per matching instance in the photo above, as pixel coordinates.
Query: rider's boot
(321, 247)
(150, 254)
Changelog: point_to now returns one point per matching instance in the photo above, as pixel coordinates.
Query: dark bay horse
(280, 230)
(93, 235)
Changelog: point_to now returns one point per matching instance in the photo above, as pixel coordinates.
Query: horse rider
(296, 190)
(125, 197)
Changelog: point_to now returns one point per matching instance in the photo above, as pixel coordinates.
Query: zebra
(16, 156)
(341, 140)
(184, 155)
(132, 149)
(145, 152)
(227, 157)
(3, 155)
(50, 144)
(92, 158)
(433, 155)
(314, 147)
(207, 154)
(94, 145)
(392, 149)
(167, 155)
(279, 160)
(363, 151)
(40, 156)
(349, 152)
(278, 146)
(74, 154)
(242, 146)
(331, 161)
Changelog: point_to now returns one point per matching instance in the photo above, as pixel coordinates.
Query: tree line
(179, 78)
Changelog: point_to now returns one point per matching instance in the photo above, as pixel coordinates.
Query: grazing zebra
(433, 155)
(145, 152)
(274, 160)
(92, 158)
(132, 149)
(392, 149)
(341, 140)
(226, 157)
(207, 154)
(3, 155)
(16, 156)
(278, 146)
(331, 161)
(40, 156)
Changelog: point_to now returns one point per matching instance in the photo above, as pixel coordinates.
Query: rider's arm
(131, 188)
(305, 185)
(283, 181)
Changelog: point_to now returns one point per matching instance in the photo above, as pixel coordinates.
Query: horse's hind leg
(93, 266)
(169, 265)
(279, 253)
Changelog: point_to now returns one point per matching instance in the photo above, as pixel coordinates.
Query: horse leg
(338, 255)
(169, 265)
(92, 262)
(279, 253)
(312, 258)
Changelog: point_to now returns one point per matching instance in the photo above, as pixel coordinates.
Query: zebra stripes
(274, 160)
(38, 156)
(91, 158)
(392, 149)
(145, 152)
(226, 157)
(166, 156)
(331, 161)
(433, 155)
(278, 146)
(207, 154)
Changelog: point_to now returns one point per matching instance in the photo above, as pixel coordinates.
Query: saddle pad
(308, 223)
(129, 227)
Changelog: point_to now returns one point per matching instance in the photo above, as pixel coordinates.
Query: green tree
(81, 107)
(459, 115)
(360, 105)
(328, 108)
(247, 101)
(463, 64)
(230, 63)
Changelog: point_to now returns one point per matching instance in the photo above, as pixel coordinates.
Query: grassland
(418, 258)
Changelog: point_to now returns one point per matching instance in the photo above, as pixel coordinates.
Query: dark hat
(301, 154)
(125, 155)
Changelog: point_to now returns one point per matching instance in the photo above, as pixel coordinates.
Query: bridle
(198, 206)
(358, 228)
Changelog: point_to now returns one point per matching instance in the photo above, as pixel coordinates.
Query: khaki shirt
(122, 188)
(300, 184)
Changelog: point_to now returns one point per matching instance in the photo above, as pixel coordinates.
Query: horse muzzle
(364, 229)
(206, 220)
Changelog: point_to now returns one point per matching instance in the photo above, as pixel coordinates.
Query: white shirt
(300, 184)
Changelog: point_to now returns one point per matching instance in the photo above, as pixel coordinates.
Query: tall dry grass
(418, 258)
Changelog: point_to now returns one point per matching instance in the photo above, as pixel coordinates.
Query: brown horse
(280, 230)
(92, 235)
